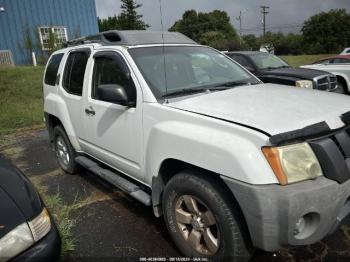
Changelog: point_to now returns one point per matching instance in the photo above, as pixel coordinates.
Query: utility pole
(264, 11)
(239, 18)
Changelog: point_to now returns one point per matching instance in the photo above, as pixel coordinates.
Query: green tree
(251, 42)
(109, 23)
(128, 19)
(327, 32)
(213, 28)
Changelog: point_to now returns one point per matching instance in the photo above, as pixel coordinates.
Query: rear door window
(75, 71)
(52, 69)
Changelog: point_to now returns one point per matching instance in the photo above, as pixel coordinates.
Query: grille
(333, 153)
(327, 83)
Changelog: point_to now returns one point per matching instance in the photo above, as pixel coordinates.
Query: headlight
(293, 163)
(24, 236)
(15, 242)
(304, 84)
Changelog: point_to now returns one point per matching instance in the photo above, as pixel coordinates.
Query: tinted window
(52, 69)
(74, 72)
(107, 71)
(341, 61)
(268, 61)
(241, 60)
(324, 62)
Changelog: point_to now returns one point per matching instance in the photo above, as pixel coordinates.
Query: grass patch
(62, 215)
(300, 60)
(21, 102)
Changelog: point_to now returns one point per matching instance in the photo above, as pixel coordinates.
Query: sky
(284, 15)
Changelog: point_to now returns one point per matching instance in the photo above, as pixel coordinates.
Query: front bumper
(47, 249)
(273, 211)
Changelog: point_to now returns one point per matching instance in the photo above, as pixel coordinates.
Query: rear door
(113, 131)
(72, 87)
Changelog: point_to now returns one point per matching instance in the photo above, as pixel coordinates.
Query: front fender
(219, 150)
(346, 78)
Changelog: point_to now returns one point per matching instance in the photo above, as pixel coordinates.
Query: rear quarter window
(75, 71)
(52, 69)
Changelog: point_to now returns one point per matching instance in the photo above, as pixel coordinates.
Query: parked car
(345, 51)
(231, 163)
(272, 69)
(27, 231)
(337, 65)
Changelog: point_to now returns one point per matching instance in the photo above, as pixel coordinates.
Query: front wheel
(340, 89)
(202, 221)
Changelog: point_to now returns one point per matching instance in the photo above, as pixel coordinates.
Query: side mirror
(114, 94)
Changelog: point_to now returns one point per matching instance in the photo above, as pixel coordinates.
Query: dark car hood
(301, 73)
(11, 216)
(18, 187)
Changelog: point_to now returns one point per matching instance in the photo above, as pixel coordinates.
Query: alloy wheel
(197, 225)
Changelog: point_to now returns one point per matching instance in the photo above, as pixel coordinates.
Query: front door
(113, 130)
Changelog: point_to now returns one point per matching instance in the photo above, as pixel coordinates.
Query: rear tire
(65, 152)
(201, 219)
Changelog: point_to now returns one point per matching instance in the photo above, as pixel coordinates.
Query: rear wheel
(201, 220)
(65, 152)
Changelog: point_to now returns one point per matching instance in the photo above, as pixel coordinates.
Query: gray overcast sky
(285, 15)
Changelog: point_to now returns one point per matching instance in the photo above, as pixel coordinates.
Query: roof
(334, 57)
(132, 38)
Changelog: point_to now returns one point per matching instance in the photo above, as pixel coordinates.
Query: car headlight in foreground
(304, 84)
(24, 236)
(293, 163)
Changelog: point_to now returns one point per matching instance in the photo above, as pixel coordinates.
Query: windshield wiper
(233, 84)
(184, 91)
(217, 87)
(278, 67)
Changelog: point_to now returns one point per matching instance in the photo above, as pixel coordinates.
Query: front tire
(340, 89)
(65, 152)
(201, 219)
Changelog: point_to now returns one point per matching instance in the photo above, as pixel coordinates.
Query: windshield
(187, 68)
(268, 61)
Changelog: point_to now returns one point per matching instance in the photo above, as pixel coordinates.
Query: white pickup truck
(231, 163)
(337, 65)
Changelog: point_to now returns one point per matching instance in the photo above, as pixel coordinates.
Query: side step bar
(115, 179)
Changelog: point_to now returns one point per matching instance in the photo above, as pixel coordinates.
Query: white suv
(230, 162)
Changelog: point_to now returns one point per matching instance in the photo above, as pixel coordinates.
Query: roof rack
(132, 38)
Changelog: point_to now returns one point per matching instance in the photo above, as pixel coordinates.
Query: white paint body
(340, 70)
(222, 132)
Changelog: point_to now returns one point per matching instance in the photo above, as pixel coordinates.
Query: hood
(302, 73)
(271, 108)
(11, 216)
(18, 187)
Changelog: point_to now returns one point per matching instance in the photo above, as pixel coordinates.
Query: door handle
(90, 111)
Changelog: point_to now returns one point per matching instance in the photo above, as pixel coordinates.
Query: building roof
(134, 37)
